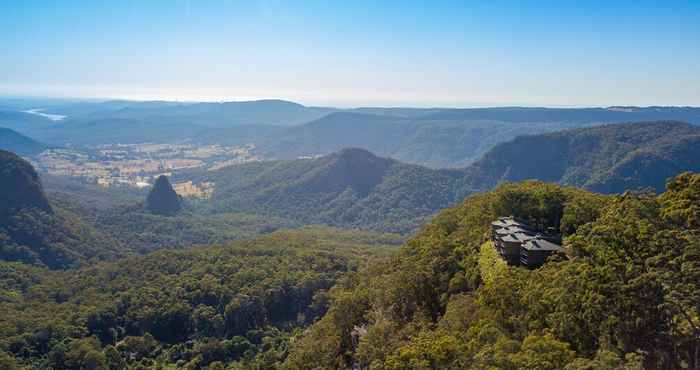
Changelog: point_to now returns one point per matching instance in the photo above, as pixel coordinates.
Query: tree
(543, 352)
(85, 354)
(7, 362)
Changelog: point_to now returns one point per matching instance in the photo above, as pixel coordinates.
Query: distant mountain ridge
(434, 137)
(437, 144)
(442, 138)
(134, 121)
(224, 114)
(13, 141)
(572, 115)
(606, 159)
(22, 122)
(355, 188)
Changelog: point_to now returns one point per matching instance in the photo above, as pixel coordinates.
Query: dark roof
(538, 244)
(510, 238)
(510, 225)
(524, 236)
(504, 231)
(512, 219)
(514, 230)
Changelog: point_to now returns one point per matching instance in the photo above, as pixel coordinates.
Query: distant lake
(53, 117)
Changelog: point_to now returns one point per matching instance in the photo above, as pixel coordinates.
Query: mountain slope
(33, 231)
(226, 114)
(607, 159)
(442, 138)
(20, 186)
(23, 123)
(447, 301)
(133, 121)
(196, 308)
(15, 142)
(354, 188)
(116, 130)
(376, 133)
(351, 188)
(570, 115)
(433, 143)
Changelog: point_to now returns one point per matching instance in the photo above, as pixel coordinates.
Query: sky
(356, 53)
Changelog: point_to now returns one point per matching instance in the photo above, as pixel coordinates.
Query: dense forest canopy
(78, 223)
(97, 279)
(20, 186)
(607, 159)
(351, 188)
(238, 304)
(626, 298)
(349, 185)
(355, 188)
(33, 231)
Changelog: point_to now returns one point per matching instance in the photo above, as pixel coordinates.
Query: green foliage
(57, 240)
(32, 231)
(491, 266)
(627, 298)
(681, 203)
(190, 308)
(446, 138)
(19, 186)
(352, 188)
(145, 232)
(605, 159)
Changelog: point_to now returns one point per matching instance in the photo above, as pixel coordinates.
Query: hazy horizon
(95, 99)
(408, 54)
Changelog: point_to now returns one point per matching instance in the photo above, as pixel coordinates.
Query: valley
(349, 185)
(311, 246)
(137, 165)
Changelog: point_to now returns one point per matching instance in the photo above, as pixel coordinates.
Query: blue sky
(353, 53)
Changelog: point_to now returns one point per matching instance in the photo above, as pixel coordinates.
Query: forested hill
(571, 115)
(355, 188)
(199, 308)
(13, 141)
(206, 114)
(433, 137)
(626, 299)
(351, 188)
(33, 231)
(438, 143)
(442, 138)
(606, 159)
(20, 186)
(90, 123)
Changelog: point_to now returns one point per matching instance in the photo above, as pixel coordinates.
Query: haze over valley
(300, 185)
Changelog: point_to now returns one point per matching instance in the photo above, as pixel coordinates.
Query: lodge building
(521, 245)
